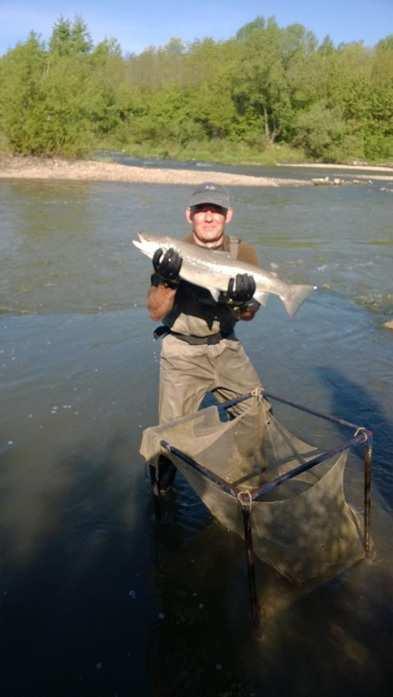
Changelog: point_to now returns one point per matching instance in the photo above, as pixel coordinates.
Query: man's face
(208, 223)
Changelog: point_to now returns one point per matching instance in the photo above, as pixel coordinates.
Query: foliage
(70, 38)
(267, 94)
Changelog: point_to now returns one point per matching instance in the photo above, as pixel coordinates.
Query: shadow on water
(353, 403)
(316, 640)
(196, 649)
(320, 641)
(75, 614)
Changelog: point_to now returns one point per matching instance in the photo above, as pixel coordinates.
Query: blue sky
(141, 23)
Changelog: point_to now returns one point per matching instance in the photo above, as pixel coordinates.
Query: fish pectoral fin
(215, 293)
(261, 297)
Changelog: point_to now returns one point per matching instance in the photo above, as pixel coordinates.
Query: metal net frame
(246, 495)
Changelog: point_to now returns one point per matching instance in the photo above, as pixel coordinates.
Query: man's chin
(211, 244)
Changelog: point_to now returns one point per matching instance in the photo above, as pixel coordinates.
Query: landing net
(304, 528)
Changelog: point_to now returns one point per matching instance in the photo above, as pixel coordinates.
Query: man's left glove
(240, 290)
(166, 268)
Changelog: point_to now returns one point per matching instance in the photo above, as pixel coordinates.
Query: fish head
(148, 244)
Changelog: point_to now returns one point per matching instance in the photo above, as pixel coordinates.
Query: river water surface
(95, 598)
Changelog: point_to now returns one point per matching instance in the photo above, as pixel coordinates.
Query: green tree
(321, 132)
(259, 85)
(70, 38)
(70, 107)
(385, 44)
(21, 93)
(268, 84)
(379, 126)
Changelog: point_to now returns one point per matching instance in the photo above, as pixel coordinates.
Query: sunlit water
(95, 599)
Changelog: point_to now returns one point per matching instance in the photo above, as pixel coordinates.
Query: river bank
(91, 170)
(18, 167)
(364, 167)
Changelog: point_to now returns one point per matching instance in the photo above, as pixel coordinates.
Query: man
(200, 352)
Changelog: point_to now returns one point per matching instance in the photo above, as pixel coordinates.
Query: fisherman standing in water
(200, 352)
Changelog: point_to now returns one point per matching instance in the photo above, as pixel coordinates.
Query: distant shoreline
(56, 169)
(92, 170)
(358, 168)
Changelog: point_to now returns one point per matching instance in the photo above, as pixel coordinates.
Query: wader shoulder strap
(234, 243)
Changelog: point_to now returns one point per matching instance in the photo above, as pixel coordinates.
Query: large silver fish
(212, 269)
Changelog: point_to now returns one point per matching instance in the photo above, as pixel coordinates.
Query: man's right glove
(166, 268)
(240, 290)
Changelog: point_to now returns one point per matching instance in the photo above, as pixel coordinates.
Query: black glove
(166, 268)
(240, 290)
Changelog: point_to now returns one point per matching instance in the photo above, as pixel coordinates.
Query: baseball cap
(209, 192)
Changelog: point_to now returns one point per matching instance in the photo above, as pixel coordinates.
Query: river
(95, 598)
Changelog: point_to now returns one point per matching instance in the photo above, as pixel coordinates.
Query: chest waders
(190, 367)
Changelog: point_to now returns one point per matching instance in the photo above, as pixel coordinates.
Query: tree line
(268, 89)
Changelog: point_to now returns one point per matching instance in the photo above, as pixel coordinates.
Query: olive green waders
(188, 371)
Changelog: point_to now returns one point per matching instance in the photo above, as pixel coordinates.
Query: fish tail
(294, 297)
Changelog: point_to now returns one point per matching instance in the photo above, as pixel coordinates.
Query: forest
(269, 94)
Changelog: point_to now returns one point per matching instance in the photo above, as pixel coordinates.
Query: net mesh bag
(305, 528)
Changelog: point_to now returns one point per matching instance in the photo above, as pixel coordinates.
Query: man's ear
(189, 215)
(229, 215)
